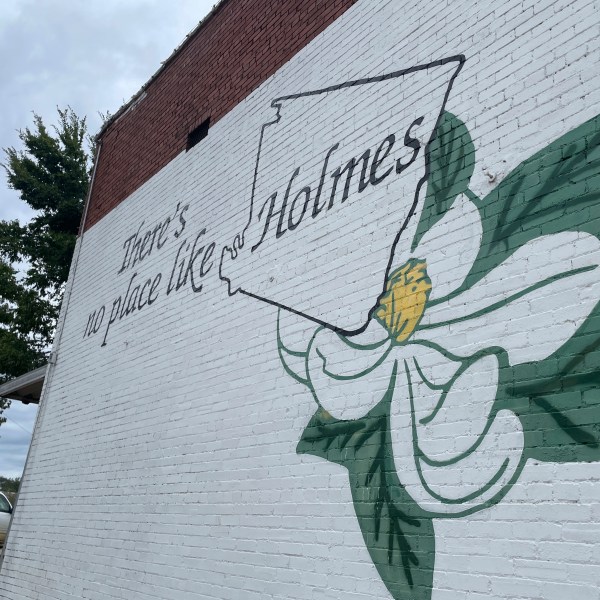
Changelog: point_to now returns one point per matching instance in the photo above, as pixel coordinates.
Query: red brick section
(240, 46)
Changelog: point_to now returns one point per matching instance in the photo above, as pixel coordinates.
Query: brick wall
(219, 422)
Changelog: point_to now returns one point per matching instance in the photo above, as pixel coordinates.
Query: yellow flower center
(403, 303)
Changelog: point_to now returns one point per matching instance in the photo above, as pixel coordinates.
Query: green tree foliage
(9, 484)
(51, 173)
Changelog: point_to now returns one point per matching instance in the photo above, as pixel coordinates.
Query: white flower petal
(429, 371)
(479, 476)
(468, 454)
(293, 337)
(435, 366)
(295, 364)
(464, 412)
(348, 379)
(295, 331)
(506, 309)
(373, 334)
(450, 247)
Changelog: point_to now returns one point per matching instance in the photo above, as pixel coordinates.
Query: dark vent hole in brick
(198, 134)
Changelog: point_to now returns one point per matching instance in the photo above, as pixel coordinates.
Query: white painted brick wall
(164, 464)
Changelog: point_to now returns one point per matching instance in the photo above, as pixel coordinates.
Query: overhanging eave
(27, 388)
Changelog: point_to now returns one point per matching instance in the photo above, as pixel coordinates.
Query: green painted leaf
(331, 439)
(556, 190)
(451, 163)
(398, 534)
(558, 399)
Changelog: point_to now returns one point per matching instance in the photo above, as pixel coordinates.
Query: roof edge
(138, 96)
(30, 383)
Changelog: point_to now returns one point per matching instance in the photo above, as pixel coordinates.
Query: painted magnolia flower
(441, 350)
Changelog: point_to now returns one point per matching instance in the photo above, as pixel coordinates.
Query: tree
(9, 484)
(10, 487)
(52, 174)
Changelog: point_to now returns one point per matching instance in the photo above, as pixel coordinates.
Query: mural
(436, 406)
(452, 340)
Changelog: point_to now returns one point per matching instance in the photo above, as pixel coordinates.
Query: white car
(5, 514)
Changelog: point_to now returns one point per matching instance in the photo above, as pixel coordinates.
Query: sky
(91, 55)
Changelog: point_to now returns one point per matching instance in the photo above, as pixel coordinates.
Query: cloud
(92, 56)
(15, 437)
